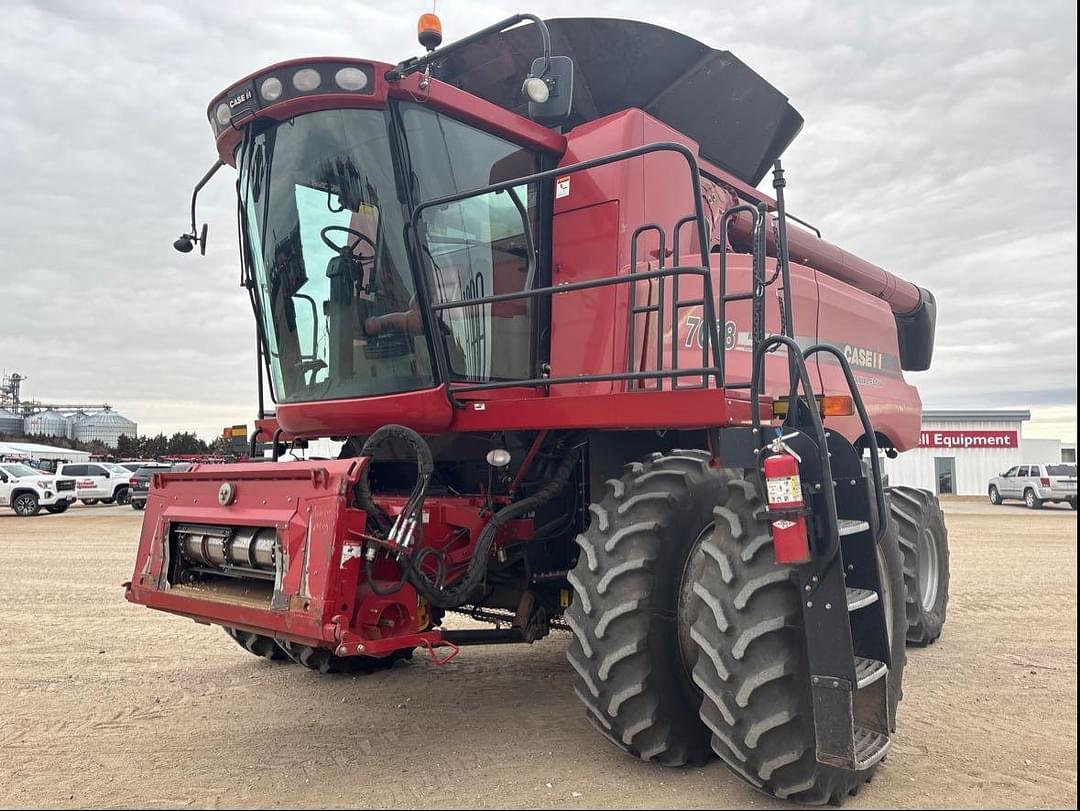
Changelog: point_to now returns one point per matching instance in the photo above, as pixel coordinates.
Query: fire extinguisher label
(785, 490)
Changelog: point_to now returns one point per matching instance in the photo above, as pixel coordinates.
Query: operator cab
(368, 224)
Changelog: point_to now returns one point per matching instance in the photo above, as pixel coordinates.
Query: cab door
(1006, 482)
(1016, 483)
(101, 481)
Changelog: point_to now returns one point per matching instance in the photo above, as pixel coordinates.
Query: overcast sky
(940, 143)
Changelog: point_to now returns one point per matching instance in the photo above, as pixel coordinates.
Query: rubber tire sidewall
(32, 508)
(771, 744)
(995, 496)
(1031, 501)
(632, 676)
(915, 511)
(56, 509)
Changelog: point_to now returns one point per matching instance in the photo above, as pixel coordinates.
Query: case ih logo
(969, 439)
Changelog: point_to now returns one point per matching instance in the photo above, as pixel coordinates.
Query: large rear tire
(258, 645)
(752, 665)
(924, 542)
(326, 661)
(633, 664)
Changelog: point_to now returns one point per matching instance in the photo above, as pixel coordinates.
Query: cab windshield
(325, 233)
(325, 229)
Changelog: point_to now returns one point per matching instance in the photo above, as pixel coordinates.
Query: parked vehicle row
(27, 490)
(1036, 485)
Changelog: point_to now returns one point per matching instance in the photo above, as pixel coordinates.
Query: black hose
(458, 594)
(424, 467)
(369, 571)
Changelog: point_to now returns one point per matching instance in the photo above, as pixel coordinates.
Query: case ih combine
(588, 378)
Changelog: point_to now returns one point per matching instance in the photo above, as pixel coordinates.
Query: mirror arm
(186, 241)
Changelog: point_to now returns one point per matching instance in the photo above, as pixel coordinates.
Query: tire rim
(687, 648)
(886, 594)
(928, 569)
(24, 505)
(1029, 498)
(994, 495)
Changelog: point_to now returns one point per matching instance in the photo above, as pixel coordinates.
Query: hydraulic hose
(458, 594)
(425, 466)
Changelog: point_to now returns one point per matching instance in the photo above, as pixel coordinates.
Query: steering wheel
(341, 249)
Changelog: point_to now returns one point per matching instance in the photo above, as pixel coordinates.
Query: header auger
(586, 378)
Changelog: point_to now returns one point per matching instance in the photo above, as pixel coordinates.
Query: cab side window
(73, 470)
(1023, 471)
(1008, 474)
(95, 470)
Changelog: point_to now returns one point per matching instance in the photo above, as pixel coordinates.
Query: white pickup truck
(27, 490)
(98, 481)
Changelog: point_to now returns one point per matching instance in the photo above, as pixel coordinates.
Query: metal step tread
(870, 747)
(868, 671)
(851, 527)
(860, 598)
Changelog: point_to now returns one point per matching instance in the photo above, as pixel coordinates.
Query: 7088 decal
(695, 335)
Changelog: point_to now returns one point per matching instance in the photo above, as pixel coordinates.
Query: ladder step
(870, 747)
(868, 671)
(860, 598)
(848, 527)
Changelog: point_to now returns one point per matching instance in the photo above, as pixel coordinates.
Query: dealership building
(960, 451)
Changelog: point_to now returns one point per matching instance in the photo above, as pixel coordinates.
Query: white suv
(98, 481)
(27, 490)
(1036, 484)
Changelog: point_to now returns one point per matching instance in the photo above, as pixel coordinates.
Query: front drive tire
(25, 505)
(56, 509)
(995, 496)
(752, 665)
(924, 543)
(631, 653)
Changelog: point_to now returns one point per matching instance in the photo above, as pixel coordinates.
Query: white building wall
(974, 466)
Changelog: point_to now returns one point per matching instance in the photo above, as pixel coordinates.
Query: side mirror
(553, 107)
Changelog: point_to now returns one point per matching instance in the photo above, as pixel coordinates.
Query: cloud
(940, 143)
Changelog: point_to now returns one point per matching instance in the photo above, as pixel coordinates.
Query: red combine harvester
(587, 378)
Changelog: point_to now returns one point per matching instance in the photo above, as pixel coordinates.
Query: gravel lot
(107, 704)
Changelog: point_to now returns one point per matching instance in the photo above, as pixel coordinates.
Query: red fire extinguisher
(791, 542)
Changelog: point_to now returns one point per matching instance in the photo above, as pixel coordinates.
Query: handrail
(798, 363)
(868, 431)
(708, 312)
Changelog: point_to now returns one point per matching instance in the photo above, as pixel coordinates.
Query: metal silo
(48, 423)
(10, 423)
(105, 426)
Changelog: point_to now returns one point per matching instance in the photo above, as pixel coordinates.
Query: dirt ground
(106, 704)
